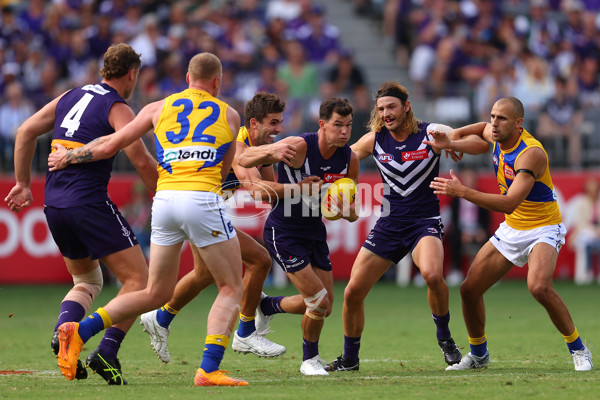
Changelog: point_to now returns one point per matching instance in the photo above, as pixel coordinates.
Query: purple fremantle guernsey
(406, 170)
(81, 116)
(305, 214)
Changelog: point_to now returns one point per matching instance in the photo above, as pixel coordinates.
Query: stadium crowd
(544, 52)
(284, 47)
(460, 55)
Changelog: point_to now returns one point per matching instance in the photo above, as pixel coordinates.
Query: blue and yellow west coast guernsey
(540, 208)
(231, 183)
(192, 136)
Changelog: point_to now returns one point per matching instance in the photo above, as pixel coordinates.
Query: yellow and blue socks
(165, 315)
(478, 346)
(246, 326)
(94, 323)
(214, 348)
(574, 341)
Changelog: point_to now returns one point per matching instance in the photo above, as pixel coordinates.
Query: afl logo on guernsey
(190, 153)
(495, 160)
(385, 157)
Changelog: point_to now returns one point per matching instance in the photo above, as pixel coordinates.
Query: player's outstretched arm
(469, 139)
(364, 146)
(288, 150)
(261, 183)
(533, 160)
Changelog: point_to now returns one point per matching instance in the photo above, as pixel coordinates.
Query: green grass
(399, 354)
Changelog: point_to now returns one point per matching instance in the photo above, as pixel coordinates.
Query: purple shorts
(294, 250)
(92, 230)
(393, 240)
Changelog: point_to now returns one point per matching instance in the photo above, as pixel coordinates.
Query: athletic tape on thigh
(313, 303)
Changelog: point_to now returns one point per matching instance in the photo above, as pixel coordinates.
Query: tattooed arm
(107, 146)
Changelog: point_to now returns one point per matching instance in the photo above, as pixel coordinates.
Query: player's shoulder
(294, 141)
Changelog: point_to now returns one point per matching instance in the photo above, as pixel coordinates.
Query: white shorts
(516, 244)
(199, 217)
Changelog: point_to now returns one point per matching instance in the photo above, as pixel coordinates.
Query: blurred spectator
(130, 23)
(77, 63)
(33, 66)
(299, 75)
(535, 86)
(497, 83)
(15, 110)
(267, 80)
(588, 85)
(572, 28)
(306, 8)
(149, 42)
(345, 79)
(11, 28)
(247, 77)
(397, 25)
(447, 73)
(544, 32)
(276, 34)
(587, 43)
(319, 38)
(559, 126)
(468, 229)
(270, 54)
(33, 17)
(286, 10)
(10, 72)
(563, 63)
(99, 35)
(585, 239)
(115, 8)
(430, 29)
(173, 75)
(50, 86)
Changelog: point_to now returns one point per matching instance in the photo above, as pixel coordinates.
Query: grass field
(399, 355)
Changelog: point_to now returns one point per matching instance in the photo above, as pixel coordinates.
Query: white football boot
(158, 335)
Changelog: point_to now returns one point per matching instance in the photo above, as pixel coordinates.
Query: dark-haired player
(294, 232)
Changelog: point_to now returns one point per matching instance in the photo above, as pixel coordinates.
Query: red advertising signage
(28, 253)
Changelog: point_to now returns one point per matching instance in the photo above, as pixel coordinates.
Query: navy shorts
(393, 240)
(295, 250)
(92, 230)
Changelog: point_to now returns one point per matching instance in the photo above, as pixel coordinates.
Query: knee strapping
(313, 304)
(91, 283)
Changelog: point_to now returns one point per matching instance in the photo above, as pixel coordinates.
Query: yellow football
(343, 185)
